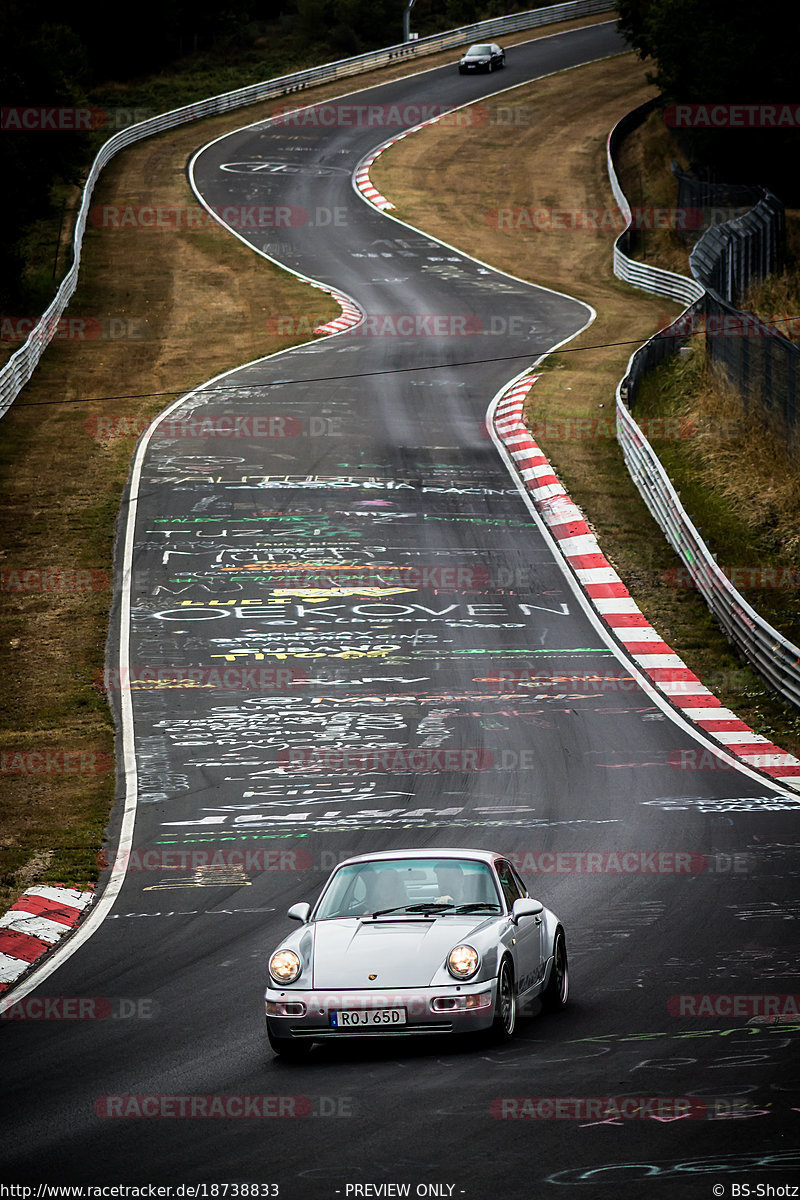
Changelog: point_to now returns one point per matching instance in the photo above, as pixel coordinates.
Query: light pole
(407, 21)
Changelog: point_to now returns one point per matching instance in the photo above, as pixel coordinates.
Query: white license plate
(363, 1018)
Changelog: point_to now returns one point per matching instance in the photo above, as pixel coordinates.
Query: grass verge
(737, 478)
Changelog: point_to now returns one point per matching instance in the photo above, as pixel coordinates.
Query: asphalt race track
(329, 547)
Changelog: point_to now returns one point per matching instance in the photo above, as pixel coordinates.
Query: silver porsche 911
(412, 942)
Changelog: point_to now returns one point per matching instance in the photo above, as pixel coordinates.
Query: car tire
(505, 1008)
(556, 994)
(289, 1049)
(490, 67)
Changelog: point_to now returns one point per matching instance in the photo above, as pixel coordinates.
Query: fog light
(286, 1008)
(461, 1003)
(483, 1000)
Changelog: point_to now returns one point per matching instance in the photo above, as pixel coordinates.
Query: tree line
(735, 65)
(702, 52)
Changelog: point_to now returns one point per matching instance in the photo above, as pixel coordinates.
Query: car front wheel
(505, 1008)
(556, 993)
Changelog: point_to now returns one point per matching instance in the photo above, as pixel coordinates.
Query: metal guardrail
(650, 279)
(775, 658)
(20, 367)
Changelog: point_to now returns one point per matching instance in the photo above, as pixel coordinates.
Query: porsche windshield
(409, 885)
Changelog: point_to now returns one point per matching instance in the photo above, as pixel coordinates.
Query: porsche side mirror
(300, 912)
(525, 907)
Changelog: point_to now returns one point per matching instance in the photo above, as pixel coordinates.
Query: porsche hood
(399, 953)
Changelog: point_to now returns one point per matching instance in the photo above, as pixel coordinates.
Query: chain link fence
(715, 202)
(739, 241)
(735, 253)
(760, 363)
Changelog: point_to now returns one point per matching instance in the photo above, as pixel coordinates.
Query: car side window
(523, 890)
(510, 885)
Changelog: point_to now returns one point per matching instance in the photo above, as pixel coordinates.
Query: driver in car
(450, 880)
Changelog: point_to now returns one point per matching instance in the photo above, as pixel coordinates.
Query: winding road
(345, 630)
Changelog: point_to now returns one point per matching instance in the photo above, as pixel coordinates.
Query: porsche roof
(487, 856)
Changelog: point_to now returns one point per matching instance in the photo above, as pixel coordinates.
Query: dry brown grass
(743, 463)
(752, 469)
(197, 304)
(777, 298)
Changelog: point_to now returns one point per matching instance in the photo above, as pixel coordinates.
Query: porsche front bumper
(316, 1015)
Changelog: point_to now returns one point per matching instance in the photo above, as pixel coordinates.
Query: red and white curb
(34, 924)
(365, 185)
(614, 604)
(351, 315)
(362, 180)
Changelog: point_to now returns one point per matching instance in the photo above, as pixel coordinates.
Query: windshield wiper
(467, 908)
(413, 908)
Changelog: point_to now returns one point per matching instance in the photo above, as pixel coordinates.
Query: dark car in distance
(484, 56)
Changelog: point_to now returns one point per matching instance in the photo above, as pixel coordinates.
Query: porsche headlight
(284, 966)
(463, 962)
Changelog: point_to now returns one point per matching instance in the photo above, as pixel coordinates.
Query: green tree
(717, 52)
(44, 66)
